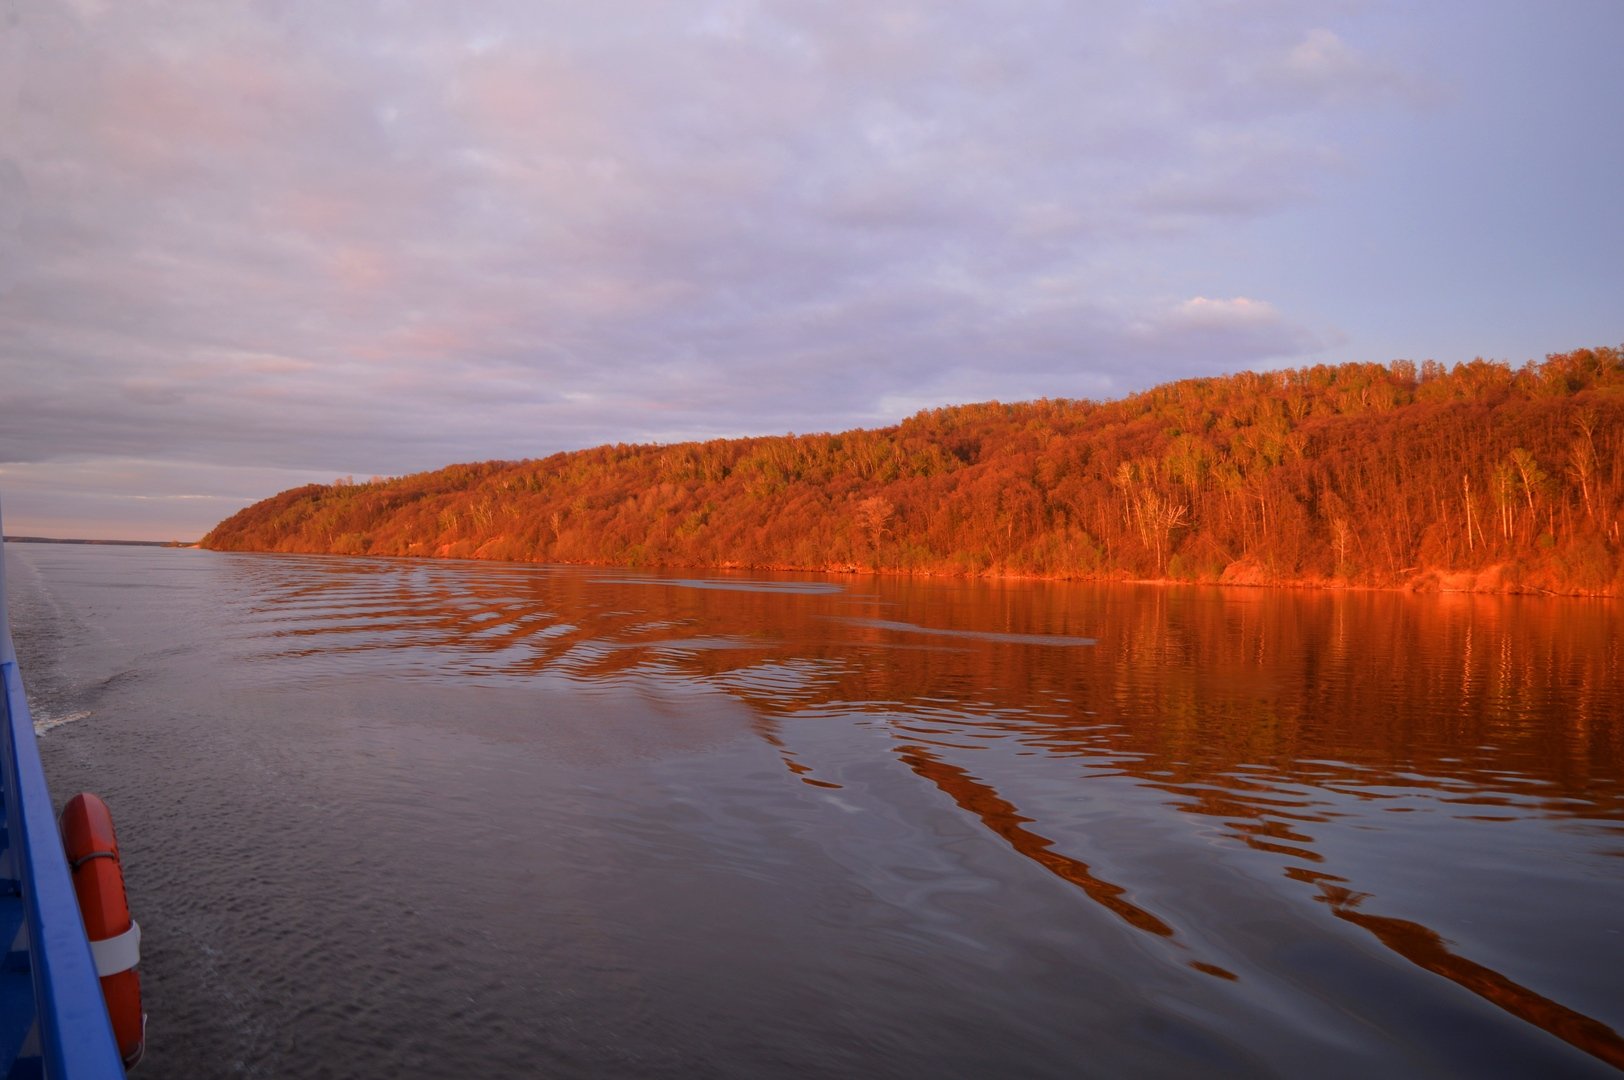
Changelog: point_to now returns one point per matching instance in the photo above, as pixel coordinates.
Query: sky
(248, 246)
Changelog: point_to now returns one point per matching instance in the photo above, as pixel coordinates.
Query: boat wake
(44, 721)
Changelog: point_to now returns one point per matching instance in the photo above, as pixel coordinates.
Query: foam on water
(45, 721)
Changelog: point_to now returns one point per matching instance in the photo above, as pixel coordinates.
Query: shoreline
(1489, 581)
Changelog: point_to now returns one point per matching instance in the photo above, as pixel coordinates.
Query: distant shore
(116, 543)
(1493, 581)
(1498, 580)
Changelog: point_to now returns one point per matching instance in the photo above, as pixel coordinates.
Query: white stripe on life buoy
(118, 953)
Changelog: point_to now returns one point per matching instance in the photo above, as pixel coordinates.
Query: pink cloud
(1236, 311)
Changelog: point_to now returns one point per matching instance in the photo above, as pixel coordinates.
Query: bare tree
(1158, 516)
(874, 516)
(1582, 458)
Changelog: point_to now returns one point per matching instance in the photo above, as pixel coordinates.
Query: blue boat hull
(53, 1021)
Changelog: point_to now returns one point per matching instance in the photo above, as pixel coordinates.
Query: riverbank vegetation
(1479, 476)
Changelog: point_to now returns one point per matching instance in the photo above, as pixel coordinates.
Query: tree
(874, 516)
(1368, 471)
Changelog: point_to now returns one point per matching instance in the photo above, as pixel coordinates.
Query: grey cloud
(367, 238)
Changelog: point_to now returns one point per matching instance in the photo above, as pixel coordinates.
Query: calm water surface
(388, 818)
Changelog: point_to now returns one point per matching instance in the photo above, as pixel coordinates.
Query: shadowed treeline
(1477, 477)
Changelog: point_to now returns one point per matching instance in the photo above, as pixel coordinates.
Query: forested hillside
(1479, 476)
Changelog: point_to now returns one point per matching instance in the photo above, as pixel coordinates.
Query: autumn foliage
(1476, 476)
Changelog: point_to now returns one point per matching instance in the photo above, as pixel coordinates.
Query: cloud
(137, 499)
(1234, 332)
(1323, 66)
(1255, 60)
(1200, 312)
(360, 238)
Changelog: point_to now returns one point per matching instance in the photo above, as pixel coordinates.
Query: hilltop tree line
(1479, 475)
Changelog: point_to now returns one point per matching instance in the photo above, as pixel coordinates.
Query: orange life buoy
(115, 939)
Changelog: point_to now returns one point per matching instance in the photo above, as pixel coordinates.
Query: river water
(387, 818)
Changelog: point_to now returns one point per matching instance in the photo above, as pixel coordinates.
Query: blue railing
(53, 1021)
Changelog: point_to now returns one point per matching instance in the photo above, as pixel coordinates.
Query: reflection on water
(1369, 829)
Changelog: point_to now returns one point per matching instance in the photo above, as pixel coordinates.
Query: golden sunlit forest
(1480, 476)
